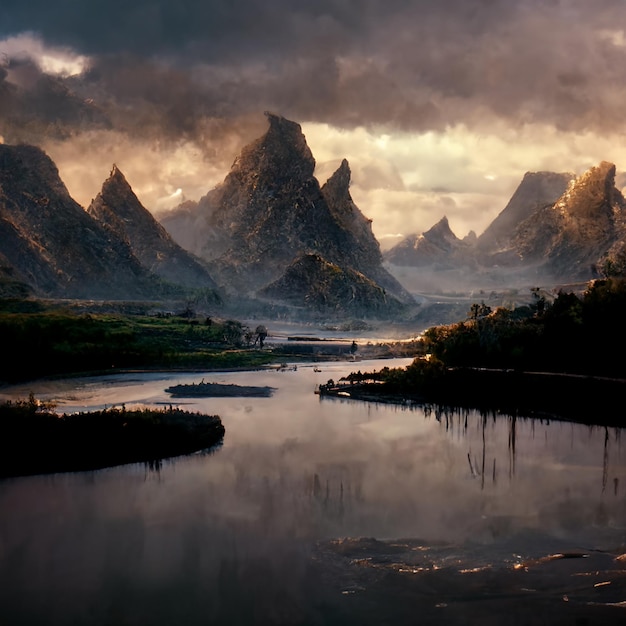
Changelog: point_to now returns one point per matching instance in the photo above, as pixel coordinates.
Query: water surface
(310, 508)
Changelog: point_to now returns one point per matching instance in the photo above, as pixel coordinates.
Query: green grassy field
(52, 342)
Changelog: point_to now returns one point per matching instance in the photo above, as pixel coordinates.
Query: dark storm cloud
(176, 67)
(34, 104)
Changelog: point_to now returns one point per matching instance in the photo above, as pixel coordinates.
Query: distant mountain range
(271, 232)
(555, 228)
(268, 232)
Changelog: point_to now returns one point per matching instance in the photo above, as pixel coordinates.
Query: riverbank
(592, 400)
(35, 440)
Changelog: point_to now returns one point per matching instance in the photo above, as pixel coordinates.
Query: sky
(440, 106)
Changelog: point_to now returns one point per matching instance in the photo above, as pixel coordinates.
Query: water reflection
(244, 531)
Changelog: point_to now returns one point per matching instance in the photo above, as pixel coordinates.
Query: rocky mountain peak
(29, 166)
(437, 247)
(270, 210)
(569, 237)
(336, 192)
(118, 209)
(315, 283)
(117, 187)
(592, 194)
(339, 183)
(441, 231)
(282, 153)
(116, 176)
(52, 241)
(536, 190)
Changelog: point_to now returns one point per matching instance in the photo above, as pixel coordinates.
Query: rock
(569, 238)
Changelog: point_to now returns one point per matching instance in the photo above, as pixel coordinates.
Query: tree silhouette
(261, 334)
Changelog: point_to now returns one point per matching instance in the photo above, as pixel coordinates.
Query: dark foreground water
(322, 512)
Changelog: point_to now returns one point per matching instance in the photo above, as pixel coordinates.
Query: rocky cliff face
(270, 210)
(537, 190)
(571, 237)
(51, 243)
(119, 210)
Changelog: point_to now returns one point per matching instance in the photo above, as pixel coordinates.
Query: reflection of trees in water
(606, 460)
(459, 419)
(336, 487)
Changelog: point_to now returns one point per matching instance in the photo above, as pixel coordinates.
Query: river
(320, 511)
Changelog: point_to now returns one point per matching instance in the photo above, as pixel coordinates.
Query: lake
(321, 511)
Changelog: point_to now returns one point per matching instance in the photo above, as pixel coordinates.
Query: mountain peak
(338, 185)
(118, 209)
(52, 241)
(117, 180)
(442, 224)
(438, 246)
(441, 232)
(536, 190)
(281, 124)
(592, 194)
(281, 153)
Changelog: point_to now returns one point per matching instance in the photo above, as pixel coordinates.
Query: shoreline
(584, 399)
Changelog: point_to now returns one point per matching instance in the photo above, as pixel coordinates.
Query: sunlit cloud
(54, 60)
(465, 175)
(440, 108)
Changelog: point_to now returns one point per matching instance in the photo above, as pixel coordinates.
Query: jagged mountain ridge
(438, 247)
(51, 243)
(271, 210)
(556, 227)
(118, 209)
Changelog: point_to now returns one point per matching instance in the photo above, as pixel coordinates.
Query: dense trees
(585, 334)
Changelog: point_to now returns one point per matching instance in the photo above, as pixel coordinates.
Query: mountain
(270, 210)
(574, 236)
(438, 248)
(313, 283)
(119, 210)
(537, 190)
(48, 241)
(555, 228)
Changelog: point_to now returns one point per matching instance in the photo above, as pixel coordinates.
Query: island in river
(219, 390)
(35, 440)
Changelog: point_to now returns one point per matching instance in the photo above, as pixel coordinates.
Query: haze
(440, 108)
